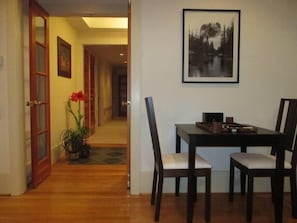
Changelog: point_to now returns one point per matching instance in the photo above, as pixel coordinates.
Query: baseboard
(57, 153)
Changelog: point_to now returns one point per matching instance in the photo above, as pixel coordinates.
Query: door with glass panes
(39, 93)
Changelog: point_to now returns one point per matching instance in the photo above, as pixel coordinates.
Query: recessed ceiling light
(106, 22)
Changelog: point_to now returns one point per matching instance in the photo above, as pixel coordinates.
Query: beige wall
(12, 132)
(105, 86)
(4, 149)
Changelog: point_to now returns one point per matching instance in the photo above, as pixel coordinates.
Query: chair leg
(207, 197)
(159, 197)
(242, 182)
(272, 183)
(293, 194)
(195, 190)
(177, 184)
(231, 181)
(249, 204)
(153, 196)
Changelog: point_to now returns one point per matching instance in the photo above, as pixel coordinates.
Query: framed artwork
(64, 58)
(211, 40)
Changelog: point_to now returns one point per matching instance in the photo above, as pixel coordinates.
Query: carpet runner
(104, 156)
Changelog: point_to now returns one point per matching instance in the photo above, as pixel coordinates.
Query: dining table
(196, 136)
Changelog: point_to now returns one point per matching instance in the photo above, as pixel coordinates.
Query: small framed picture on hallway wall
(211, 46)
(64, 58)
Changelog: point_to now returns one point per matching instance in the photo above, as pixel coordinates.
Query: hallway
(111, 134)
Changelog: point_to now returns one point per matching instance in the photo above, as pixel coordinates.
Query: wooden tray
(228, 127)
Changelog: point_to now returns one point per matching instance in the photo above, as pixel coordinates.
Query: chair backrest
(287, 123)
(154, 132)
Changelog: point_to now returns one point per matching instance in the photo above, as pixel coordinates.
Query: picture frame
(211, 46)
(64, 58)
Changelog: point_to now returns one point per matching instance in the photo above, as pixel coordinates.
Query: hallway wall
(60, 87)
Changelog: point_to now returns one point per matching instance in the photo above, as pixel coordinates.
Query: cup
(217, 127)
(229, 119)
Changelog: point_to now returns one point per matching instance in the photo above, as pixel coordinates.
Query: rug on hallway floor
(104, 156)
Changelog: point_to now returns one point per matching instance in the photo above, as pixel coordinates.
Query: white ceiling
(74, 9)
(85, 7)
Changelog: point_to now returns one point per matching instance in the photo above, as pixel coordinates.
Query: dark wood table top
(202, 137)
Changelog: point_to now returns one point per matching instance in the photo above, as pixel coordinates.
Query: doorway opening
(106, 82)
(109, 112)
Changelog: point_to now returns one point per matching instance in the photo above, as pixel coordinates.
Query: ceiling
(85, 7)
(110, 53)
(73, 10)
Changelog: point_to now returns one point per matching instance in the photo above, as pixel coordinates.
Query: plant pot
(84, 153)
(73, 156)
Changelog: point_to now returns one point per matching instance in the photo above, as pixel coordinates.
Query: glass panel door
(39, 94)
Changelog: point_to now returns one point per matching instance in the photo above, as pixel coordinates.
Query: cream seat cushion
(180, 161)
(257, 161)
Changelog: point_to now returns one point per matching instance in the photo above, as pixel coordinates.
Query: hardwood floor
(98, 193)
(112, 134)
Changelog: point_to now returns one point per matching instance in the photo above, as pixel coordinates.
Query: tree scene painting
(211, 43)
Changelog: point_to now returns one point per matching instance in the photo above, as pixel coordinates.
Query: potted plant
(74, 140)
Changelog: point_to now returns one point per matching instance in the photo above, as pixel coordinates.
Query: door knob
(32, 103)
(126, 103)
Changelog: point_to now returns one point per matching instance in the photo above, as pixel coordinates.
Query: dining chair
(173, 165)
(263, 165)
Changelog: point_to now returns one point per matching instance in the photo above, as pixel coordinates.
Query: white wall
(268, 65)
(12, 171)
(4, 166)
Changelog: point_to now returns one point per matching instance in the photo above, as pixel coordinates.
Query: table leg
(191, 183)
(177, 149)
(279, 187)
(177, 143)
(242, 175)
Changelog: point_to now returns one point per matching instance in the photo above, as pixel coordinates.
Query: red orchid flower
(80, 96)
(73, 97)
(77, 96)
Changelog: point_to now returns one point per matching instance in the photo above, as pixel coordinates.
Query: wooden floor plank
(99, 193)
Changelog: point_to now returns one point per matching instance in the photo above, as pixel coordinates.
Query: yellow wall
(61, 87)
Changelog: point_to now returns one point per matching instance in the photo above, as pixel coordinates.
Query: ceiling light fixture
(106, 22)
